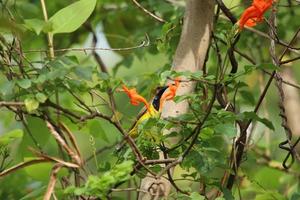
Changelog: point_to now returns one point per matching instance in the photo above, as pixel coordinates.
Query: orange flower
(135, 98)
(254, 14)
(171, 93)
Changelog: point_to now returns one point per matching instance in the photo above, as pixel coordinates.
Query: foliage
(100, 185)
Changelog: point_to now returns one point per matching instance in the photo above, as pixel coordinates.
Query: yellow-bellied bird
(150, 110)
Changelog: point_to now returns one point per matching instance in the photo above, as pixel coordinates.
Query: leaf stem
(49, 35)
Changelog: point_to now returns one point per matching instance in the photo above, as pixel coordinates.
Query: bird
(150, 110)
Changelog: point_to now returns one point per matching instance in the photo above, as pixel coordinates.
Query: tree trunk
(190, 56)
(291, 103)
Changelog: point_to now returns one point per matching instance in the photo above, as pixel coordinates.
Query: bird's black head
(159, 93)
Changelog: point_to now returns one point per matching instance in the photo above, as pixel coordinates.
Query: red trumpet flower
(171, 93)
(254, 14)
(135, 98)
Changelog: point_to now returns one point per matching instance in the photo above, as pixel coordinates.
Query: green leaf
(35, 25)
(295, 196)
(206, 133)
(269, 195)
(41, 97)
(196, 196)
(97, 130)
(226, 129)
(254, 116)
(100, 185)
(227, 194)
(197, 160)
(24, 83)
(71, 17)
(10, 136)
(197, 75)
(248, 97)
(270, 66)
(7, 88)
(35, 193)
(31, 104)
(84, 72)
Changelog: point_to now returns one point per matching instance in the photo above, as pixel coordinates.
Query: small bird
(150, 110)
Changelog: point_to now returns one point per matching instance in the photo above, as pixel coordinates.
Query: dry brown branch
(72, 139)
(52, 181)
(14, 104)
(63, 144)
(53, 159)
(129, 189)
(22, 165)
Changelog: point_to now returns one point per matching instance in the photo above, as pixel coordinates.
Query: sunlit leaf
(31, 104)
(71, 17)
(11, 136)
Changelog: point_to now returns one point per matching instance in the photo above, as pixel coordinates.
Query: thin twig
(63, 144)
(290, 60)
(14, 104)
(49, 35)
(148, 12)
(144, 43)
(72, 139)
(129, 189)
(22, 165)
(52, 181)
(53, 159)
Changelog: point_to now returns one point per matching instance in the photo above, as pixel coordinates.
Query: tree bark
(291, 103)
(190, 56)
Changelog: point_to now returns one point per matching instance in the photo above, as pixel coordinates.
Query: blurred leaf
(265, 66)
(38, 192)
(41, 97)
(41, 171)
(84, 72)
(196, 196)
(228, 129)
(198, 161)
(206, 133)
(227, 194)
(11, 136)
(295, 196)
(248, 97)
(269, 195)
(254, 116)
(99, 185)
(31, 104)
(24, 83)
(97, 130)
(7, 87)
(71, 17)
(35, 25)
